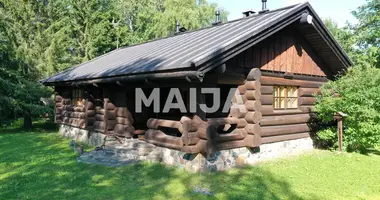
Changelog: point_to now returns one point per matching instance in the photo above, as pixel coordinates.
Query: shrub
(357, 93)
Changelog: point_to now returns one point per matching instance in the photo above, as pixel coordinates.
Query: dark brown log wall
(241, 127)
(281, 125)
(69, 114)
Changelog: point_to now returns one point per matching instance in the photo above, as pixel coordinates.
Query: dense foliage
(41, 37)
(357, 92)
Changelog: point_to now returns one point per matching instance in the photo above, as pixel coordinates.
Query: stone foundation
(227, 159)
(133, 150)
(82, 135)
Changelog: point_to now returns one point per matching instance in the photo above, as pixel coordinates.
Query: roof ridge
(209, 27)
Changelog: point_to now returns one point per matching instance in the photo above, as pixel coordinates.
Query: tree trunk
(27, 121)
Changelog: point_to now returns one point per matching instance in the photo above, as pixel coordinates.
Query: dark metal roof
(195, 51)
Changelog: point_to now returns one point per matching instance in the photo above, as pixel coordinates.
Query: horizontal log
(281, 138)
(237, 134)
(266, 89)
(159, 138)
(239, 99)
(241, 89)
(284, 129)
(79, 109)
(253, 129)
(285, 119)
(90, 113)
(58, 104)
(202, 131)
(90, 105)
(74, 122)
(237, 111)
(253, 105)
(68, 107)
(306, 109)
(254, 74)
(252, 85)
(99, 110)
(110, 106)
(267, 110)
(124, 112)
(266, 99)
(227, 120)
(191, 125)
(125, 121)
(253, 94)
(253, 117)
(99, 126)
(266, 80)
(200, 147)
(230, 145)
(249, 141)
(308, 92)
(99, 117)
(296, 76)
(306, 101)
(190, 138)
(111, 114)
(119, 128)
(154, 123)
(111, 124)
(139, 132)
(66, 101)
(58, 98)
(253, 140)
(80, 115)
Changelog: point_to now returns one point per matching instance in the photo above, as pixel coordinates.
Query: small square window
(285, 97)
(77, 97)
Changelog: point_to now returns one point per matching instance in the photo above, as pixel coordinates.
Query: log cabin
(276, 60)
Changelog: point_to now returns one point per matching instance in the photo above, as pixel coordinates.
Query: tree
(368, 31)
(42, 37)
(356, 92)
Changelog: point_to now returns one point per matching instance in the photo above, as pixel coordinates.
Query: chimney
(217, 18)
(264, 6)
(248, 13)
(177, 27)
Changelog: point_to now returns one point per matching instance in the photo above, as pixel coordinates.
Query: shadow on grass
(40, 125)
(41, 166)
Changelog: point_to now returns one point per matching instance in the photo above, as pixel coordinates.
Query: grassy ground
(40, 165)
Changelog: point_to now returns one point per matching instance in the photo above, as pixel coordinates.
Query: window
(285, 97)
(77, 97)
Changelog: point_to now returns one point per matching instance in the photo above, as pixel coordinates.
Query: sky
(338, 10)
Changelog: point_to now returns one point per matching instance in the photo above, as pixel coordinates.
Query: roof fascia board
(330, 40)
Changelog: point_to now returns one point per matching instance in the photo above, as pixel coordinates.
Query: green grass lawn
(40, 165)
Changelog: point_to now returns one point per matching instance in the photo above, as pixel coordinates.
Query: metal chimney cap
(248, 13)
(217, 18)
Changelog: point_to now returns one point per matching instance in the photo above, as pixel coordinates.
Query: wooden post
(339, 117)
(340, 134)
